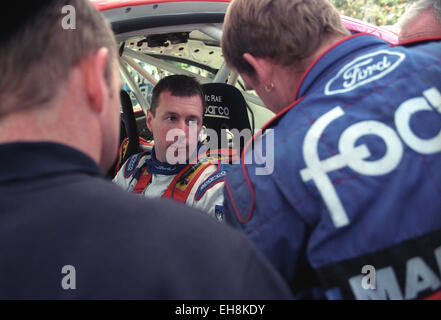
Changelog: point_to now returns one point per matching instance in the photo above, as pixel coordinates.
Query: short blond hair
(286, 31)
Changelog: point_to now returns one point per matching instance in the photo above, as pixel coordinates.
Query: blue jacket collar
(334, 56)
(156, 167)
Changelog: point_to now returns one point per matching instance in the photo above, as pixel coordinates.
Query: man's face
(175, 113)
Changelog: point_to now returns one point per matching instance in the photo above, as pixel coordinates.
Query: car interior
(157, 40)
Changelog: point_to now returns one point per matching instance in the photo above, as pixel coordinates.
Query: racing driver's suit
(199, 184)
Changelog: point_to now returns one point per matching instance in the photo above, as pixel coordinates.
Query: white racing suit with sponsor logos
(198, 184)
(353, 206)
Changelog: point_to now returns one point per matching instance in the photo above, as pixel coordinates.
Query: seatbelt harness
(182, 184)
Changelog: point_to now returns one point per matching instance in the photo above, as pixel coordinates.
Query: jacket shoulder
(134, 162)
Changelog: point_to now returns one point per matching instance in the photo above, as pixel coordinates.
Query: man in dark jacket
(67, 233)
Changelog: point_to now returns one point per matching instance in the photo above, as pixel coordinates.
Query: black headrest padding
(225, 107)
(129, 120)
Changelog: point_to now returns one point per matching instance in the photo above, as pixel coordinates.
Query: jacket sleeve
(268, 219)
(208, 195)
(126, 174)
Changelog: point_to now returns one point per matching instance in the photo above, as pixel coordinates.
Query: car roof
(365, 27)
(113, 4)
(351, 23)
(183, 36)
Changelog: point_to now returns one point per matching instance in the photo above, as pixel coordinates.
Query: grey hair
(416, 8)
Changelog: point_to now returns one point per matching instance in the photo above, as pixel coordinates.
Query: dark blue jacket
(56, 211)
(357, 176)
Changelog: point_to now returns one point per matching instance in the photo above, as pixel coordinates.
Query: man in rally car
(174, 167)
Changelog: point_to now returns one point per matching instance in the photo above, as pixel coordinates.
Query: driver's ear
(93, 68)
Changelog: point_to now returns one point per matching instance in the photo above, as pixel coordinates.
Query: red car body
(352, 24)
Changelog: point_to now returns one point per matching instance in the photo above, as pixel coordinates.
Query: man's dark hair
(179, 86)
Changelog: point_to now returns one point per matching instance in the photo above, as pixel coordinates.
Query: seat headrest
(225, 107)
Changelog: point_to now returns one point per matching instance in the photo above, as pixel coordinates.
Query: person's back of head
(39, 56)
(286, 31)
(421, 20)
(40, 52)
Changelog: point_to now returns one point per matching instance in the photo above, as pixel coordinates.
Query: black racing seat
(130, 143)
(129, 120)
(225, 108)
